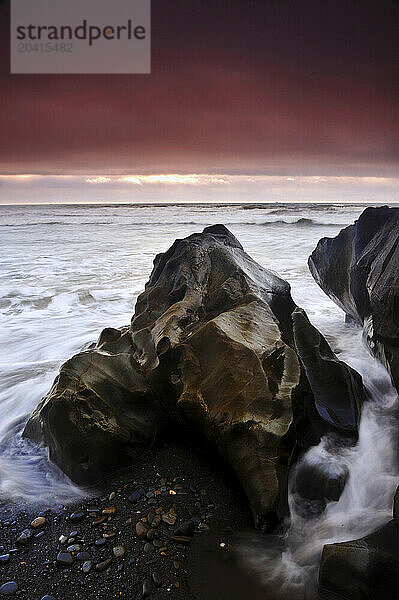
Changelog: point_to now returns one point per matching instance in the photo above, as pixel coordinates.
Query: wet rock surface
(364, 568)
(210, 357)
(359, 270)
(127, 565)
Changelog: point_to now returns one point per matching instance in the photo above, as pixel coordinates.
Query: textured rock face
(100, 414)
(359, 270)
(365, 568)
(211, 355)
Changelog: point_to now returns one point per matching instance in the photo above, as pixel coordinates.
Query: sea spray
(289, 564)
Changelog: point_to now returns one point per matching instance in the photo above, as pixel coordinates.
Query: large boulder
(359, 270)
(364, 569)
(212, 356)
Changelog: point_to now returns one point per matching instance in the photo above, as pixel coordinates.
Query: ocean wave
(302, 222)
(116, 224)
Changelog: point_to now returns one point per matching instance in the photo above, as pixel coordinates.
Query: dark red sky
(237, 86)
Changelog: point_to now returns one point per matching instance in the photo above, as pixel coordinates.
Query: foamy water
(68, 271)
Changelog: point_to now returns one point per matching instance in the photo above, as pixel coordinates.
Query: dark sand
(200, 569)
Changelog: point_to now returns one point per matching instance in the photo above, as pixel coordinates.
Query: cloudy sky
(248, 100)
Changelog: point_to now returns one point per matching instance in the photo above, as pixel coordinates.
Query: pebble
(4, 558)
(111, 496)
(134, 497)
(169, 517)
(48, 597)
(155, 521)
(111, 510)
(98, 521)
(147, 589)
(86, 567)
(100, 542)
(141, 529)
(9, 588)
(64, 558)
(150, 534)
(109, 534)
(76, 517)
(73, 548)
(103, 565)
(83, 556)
(157, 578)
(24, 537)
(38, 522)
(119, 551)
(148, 547)
(62, 539)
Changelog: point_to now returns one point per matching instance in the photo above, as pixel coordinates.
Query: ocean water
(68, 271)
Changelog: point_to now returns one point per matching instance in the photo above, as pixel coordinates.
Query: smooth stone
(83, 556)
(100, 542)
(39, 535)
(24, 537)
(157, 578)
(4, 558)
(38, 522)
(111, 510)
(99, 520)
(64, 558)
(141, 529)
(86, 567)
(73, 534)
(119, 551)
(134, 497)
(148, 547)
(9, 589)
(76, 517)
(73, 548)
(111, 496)
(62, 539)
(150, 534)
(109, 534)
(48, 597)
(185, 529)
(156, 521)
(147, 589)
(103, 565)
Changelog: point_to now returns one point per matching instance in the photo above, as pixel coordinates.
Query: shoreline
(204, 496)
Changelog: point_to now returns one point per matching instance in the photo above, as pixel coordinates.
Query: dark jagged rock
(211, 351)
(364, 568)
(100, 414)
(337, 388)
(359, 270)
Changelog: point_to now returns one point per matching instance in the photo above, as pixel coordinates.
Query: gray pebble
(9, 589)
(83, 556)
(24, 537)
(86, 567)
(64, 558)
